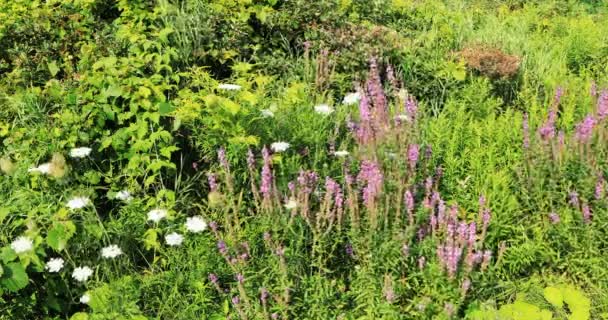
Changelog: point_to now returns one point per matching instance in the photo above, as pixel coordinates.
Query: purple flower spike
(221, 156)
(221, 246)
(554, 217)
(264, 295)
(586, 214)
(412, 155)
(212, 182)
(236, 300)
(240, 278)
(584, 130)
(213, 278)
(371, 175)
(349, 250)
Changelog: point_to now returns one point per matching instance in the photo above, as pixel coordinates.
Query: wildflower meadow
(304, 159)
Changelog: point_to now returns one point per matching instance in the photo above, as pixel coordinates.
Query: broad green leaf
(165, 108)
(53, 69)
(79, 316)
(14, 277)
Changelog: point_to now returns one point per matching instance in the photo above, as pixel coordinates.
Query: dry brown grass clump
(490, 62)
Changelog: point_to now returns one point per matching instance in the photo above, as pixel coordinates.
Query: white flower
(80, 152)
(351, 98)
(267, 113)
(174, 239)
(341, 153)
(156, 215)
(402, 117)
(54, 265)
(324, 109)
(291, 204)
(111, 251)
(78, 203)
(195, 224)
(279, 146)
(124, 195)
(22, 244)
(82, 274)
(44, 168)
(85, 298)
(228, 86)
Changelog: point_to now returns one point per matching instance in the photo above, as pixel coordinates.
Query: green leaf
(165, 108)
(151, 239)
(7, 255)
(231, 106)
(79, 316)
(53, 69)
(58, 236)
(114, 91)
(14, 277)
(554, 296)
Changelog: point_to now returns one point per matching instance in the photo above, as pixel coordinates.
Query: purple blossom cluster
(372, 179)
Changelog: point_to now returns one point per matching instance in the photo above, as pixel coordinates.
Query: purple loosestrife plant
(586, 213)
(602, 105)
(371, 177)
(554, 217)
(584, 130)
(266, 184)
(412, 155)
(599, 188)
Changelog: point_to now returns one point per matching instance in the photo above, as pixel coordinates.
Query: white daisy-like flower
(85, 298)
(156, 215)
(195, 224)
(111, 251)
(80, 152)
(351, 98)
(228, 86)
(54, 265)
(82, 274)
(22, 244)
(341, 153)
(279, 146)
(267, 113)
(44, 168)
(78, 203)
(291, 204)
(324, 109)
(174, 239)
(124, 195)
(402, 117)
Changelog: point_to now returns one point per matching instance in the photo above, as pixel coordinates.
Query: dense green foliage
(138, 141)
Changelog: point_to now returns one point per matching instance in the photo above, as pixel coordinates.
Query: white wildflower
(228, 86)
(124, 195)
(44, 168)
(111, 251)
(195, 224)
(80, 152)
(85, 298)
(402, 117)
(22, 244)
(54, 265)
(267, 113)
(341, 153)
(351, 98)
(174, 239)
(156, 215)
(291, 204)
(82, 274)
(324, 109)
(78, 203)
(279, 146)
